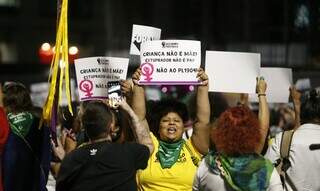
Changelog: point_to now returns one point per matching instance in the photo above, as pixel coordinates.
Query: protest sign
(142, 34)
(39, 93)
(93, 74)
(278, 82)
(233, 72)
(170, 62)
(303, 84)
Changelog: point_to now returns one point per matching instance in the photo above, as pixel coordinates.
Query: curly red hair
(237, 131)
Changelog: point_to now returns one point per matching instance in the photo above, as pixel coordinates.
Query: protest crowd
(118, 138)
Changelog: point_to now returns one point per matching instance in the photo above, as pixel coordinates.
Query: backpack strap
(195, 160)
(286, 143)
(284, 163)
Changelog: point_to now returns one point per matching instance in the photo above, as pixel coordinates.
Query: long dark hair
(123, 121)
(16, 98)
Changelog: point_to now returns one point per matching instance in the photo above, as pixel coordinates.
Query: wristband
(261, 95)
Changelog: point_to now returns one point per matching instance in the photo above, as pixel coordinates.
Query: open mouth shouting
(171, 127)
(172, 130)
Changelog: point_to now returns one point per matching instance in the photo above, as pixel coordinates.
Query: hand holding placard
(232, 72)
(279, 80)
(203, 77)
(261, 86)
(170, 62)
(94, 73)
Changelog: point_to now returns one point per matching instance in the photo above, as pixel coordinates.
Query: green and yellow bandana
(249, 172)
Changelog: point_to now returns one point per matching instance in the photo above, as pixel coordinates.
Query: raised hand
(203, 77)
(58, 149)
(136, 76)
(124, 105)
(244, 99)
(296, 99)
(126, 87)
(295, 95)
(261, 86)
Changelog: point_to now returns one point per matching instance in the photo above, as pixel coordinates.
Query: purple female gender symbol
(147, 70)
(86, 86)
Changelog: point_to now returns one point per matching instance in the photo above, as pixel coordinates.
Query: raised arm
(263, 111)
(126, 89)
(296, 95)
(244, 99)
(200, 135)
(141, 132)
(65, 144)
(138, 97)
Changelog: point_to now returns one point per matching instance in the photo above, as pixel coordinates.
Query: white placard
(93, 74)
(39, 93)
(73, 91)
(303, 84)
(278, 82)
(233, 72)
(170, 62)
(142, 34)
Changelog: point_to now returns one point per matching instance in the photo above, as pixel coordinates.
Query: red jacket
(4, 131)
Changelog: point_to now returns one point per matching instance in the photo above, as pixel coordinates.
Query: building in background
(286, 33)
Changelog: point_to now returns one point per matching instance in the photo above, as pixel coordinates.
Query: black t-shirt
(102, 166)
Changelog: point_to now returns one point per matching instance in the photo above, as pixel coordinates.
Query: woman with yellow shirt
(174, 161)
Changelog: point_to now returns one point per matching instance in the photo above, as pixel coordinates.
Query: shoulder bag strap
(194, 159)
(286, 143)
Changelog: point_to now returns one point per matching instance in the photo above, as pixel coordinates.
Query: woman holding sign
(174, 161)
(235, 163)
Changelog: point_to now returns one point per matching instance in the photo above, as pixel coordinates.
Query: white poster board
(303, 84)
(93, 74)
(142, 34)
(170, 62)
(39, 93)
(278, 82)
(233, 72)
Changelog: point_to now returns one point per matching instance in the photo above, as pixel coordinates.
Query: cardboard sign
(94, 73)
(232, 72)
(170, 62)
(278, 82)
(142, 34)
